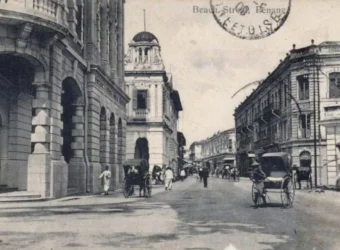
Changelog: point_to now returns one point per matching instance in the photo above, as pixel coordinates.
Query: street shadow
(270, 205)
(107, 208)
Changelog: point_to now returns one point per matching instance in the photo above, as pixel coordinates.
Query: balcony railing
(272, 107)
(141, 113)
(51, 10)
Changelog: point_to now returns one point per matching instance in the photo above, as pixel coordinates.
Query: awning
(229, 158)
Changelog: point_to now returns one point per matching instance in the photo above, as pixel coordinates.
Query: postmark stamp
(249, 19)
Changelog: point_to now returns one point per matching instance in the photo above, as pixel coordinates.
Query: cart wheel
(287, 192)
(128, 189)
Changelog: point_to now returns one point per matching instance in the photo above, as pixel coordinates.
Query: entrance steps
(18, 196)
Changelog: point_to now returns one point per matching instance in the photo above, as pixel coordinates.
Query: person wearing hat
(258, 177)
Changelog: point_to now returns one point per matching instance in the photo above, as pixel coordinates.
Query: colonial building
(215, 151)
(219, 149)
(62, 104)
(154, 110)
(285, 112)
(195, 152)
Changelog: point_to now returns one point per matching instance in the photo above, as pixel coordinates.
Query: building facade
(154, 110)
(62, 105)
(285, 112)
(219, 149)
(195, 149)
(215, 151)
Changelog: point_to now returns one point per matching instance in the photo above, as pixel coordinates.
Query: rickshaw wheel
(253, 192)
(287, 192)
(127, 190)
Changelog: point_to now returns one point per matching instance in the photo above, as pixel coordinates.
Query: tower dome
(144, 36)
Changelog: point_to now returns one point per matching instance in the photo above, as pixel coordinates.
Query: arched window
(334, 85)
(305, 159)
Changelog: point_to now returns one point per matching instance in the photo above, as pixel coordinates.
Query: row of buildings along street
(68, 108)
(295, 109)
(215, 151)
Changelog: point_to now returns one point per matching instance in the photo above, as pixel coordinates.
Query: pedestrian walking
(106, 175)
(182, 174)
(205, 175)
(200, 173)
(168, 177)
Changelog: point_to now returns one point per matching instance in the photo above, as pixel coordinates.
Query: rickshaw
(137, 173)
(304, 174)
(279, 179)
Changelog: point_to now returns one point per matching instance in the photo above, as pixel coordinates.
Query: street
(188, 217)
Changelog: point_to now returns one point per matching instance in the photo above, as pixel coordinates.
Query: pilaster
(39, 162)
(77, 167)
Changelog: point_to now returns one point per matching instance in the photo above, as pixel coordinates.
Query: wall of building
(267, 123)
(58, 66)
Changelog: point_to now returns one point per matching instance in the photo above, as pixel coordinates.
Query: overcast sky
(209, 65)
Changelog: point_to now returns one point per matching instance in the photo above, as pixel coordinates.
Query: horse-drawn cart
(137, 174)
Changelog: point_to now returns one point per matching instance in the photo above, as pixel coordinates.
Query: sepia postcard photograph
(169, 124)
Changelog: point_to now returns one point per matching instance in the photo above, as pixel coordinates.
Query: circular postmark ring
(249, 19)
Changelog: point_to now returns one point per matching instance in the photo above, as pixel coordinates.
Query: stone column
(113, 40)
(104, 49)
(116, 166)
(72, 15)
(120, 39)
(160, 100)
(77, 167)
(153, 104)
(143, 55)
(39, 162)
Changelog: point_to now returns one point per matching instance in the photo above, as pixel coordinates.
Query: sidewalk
(114, 197)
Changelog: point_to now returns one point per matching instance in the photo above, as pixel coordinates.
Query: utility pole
(314, 107)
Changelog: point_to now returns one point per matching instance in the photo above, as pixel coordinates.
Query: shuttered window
(303, 87)
(304, 126)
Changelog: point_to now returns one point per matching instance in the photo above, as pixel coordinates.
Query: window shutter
(148, 100)
(300, 127)
(134, 99)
